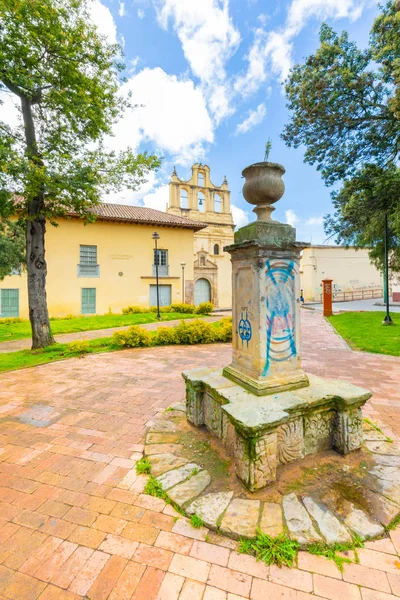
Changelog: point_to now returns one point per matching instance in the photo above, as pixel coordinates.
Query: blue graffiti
(244, 329)
(280, 294)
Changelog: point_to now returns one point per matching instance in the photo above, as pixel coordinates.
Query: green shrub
(10, 320)
(195, 332)
(205, 308)
(163, 309)
(166, 336)
(132, 310)
(223, 329)
(134, 337)
(79, 347)
(183, 308)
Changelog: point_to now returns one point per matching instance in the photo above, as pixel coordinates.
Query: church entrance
(202, 291)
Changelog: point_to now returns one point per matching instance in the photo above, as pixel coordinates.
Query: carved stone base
(265, 432)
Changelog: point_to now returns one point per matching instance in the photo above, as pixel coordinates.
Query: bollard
(327, 297)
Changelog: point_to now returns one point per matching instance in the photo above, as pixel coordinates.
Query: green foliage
(12, 245)
(166, 336)
(11, 321)
(143, 466)
(331, 551)
(196, 521)
(345, 110)
(133, 310)
(195, 332)
(353, 325)
(204, 308)
(279, 550)
(360, 208)
(79, 347)
(183, 308)
(224, 330)
(134, 337)
(154, 488)
(394, 523)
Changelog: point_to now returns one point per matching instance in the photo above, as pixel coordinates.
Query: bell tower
(200, 200)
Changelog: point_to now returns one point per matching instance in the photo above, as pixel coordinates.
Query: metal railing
(163, 270)
(88, 270)
(356, 295)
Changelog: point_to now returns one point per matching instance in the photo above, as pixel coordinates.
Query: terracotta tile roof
(141, 214)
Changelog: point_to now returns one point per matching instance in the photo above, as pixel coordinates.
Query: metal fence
(356, 295)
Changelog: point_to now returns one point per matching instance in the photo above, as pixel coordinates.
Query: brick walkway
(64, 338)
(74, 523)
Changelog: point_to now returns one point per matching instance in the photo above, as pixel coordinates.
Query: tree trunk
(35, 243)
(37, 272)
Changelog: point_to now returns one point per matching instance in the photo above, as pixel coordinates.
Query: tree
(345, 109)
(360, 209)
(65, 77)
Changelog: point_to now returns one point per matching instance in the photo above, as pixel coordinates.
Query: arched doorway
(202, 291)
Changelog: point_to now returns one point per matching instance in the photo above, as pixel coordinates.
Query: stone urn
(263, 187)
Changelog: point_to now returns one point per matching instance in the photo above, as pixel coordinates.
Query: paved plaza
(74, 522)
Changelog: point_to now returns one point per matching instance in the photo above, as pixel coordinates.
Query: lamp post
(388, 319)
(156, 237)
(183, 281)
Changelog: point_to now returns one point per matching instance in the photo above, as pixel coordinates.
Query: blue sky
(208, 75)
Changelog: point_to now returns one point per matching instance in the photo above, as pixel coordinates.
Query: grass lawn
(364, 331)
(20, 331)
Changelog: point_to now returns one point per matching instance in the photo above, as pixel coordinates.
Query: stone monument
(262, 406)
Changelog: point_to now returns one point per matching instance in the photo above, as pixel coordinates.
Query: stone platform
(327, 501)
(262, 433)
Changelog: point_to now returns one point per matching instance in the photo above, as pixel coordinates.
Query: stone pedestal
(264, 433)
(265, 309)
(263, 407)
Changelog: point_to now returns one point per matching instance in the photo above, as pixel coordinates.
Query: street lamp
(388, 319)
(183, 281)
(156, 237)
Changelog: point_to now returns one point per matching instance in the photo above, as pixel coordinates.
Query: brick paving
(74, 523)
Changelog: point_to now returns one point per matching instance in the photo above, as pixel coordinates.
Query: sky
(207, 78)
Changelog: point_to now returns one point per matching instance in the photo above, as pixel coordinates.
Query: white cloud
(140, 13)
(240, 217)
(174, 116)
(255, 117)
(271, 51)
(158, 198)
(103, 19)
(315, 221)
(208, 38)
(121, 10)
(9, 109)
(291, 217)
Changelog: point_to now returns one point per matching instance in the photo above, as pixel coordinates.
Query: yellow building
(110, 264)
(201, 200)
(349, 268)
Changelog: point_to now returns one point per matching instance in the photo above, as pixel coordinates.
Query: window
(16, 271)
(9, 303)
(200, 179)
(161, 259)
(88, 266)
(201, 202)
(216, 249)
(217, 203)
(184, 199)
(88, 304)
